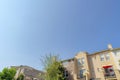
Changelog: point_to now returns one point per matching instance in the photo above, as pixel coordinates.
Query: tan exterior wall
(95, 68)
(116, 58)
(96, 65)
(84, 66)
(69, 66)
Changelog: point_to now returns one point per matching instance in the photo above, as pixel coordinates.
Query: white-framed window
(81, 61)
(102, 57)
(115, 53)
(66, 74)
(107, 55)
(82, 71)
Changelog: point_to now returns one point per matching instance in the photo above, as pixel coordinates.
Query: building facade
(102, 65)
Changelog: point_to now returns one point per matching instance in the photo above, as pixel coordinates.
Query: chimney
(110, 46)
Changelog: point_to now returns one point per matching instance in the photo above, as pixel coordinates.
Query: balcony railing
(108, 75)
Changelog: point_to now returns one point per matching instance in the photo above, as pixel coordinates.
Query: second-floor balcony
(109, 72)
(108, 75)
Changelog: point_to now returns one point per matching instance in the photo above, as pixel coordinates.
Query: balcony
(109, 72)
(108, 75)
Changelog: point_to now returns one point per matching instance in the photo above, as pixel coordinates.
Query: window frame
(107, 56)
(81, 61)
(81, 73)
(66, 74)
(102, 57)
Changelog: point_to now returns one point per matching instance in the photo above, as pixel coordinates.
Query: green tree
(20, 77)
(7, 74)
(54, 69)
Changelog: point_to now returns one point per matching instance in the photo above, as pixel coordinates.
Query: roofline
(116, 49)
(67, 60)
(105, 51)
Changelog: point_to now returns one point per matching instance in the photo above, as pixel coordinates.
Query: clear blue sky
(32, 28)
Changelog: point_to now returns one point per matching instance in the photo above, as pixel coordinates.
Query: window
(81, 73)
(66, 73)
(81, 61)
(115, 53)
(102, 57)
(107, 57)
(98, 69)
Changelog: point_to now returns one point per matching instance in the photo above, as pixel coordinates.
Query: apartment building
(102, 65)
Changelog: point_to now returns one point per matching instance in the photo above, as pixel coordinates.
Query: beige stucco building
(102, 65)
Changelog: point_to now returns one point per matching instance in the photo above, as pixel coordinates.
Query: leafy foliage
(7, 74)
(20, 77)
(55, 71)
(53, 67)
